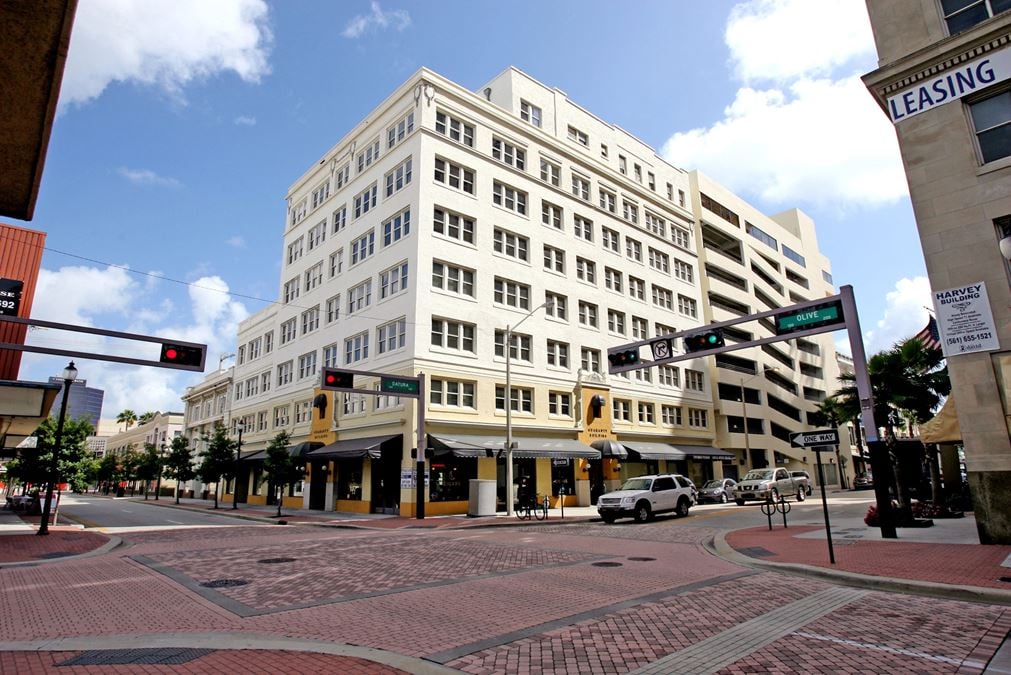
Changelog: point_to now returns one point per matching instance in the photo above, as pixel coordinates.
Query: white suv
(645, 496)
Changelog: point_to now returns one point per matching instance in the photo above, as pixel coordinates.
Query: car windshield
(637, 484)
(713, 484)
(764, 474)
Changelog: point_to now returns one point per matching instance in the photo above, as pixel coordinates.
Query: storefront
(360, 475)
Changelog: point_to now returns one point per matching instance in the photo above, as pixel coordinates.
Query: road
(111, 514)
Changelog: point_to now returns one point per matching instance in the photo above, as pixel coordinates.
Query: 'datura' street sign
(390, 384)
(818, 316)
(811, 439)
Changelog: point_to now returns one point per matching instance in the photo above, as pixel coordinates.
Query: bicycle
(534, 507)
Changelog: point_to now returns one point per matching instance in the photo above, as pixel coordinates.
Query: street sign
(817, 316)
(10, 296)
(810, 439)
(662, 349)
(399, 385)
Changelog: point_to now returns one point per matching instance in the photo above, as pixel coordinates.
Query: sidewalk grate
(641, 559)
(224, 583)
(144, 656)
(275, 561)
(756, 552)
(606, 564)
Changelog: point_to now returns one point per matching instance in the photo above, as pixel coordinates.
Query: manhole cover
(606, 564)
(275, 561)
(170, 656)
(642, 559)
(224, 583)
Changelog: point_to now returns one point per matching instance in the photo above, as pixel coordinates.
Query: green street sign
(816, 316)
(409, 386)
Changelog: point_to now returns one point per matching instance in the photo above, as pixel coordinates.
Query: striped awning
(466, 445)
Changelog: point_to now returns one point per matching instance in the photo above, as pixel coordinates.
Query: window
(722, 211)
(687, 306)
(550, 172)
(310, 320)
(991, 120)
(238, 391)
(453, 175)
(365, 200)
(557, 306)
(616, 321)
(695, 380)
(281, 416)
(453, 225)
(622, 165)
(320, 194)
(397, 131)
(254, 348)
(360, 297)
(551, 215)
(520, 349)
(608, 200)
(307, 365)
(509, 198)
(354, 404)
(284, 371)
(512, 293)
(294, 250)
(391, 336)
(663, 329)
(356, 348)
(651, 181)
(621, 410)
(393, 280)
(583, 227)
(559, 404)
(588, 314)
(314, 276)
(554, 259)
(579, 136)
(612, 280)
(511, 245)
(252, 386)
(680, 236)
(298, 212)
(288, 330)
(633, 249)
(268, 342)
(610, 239)
(961, 15)
(637, 172)
(303, 411)
(331, 355)
(558, 354)
(603, 151)
(343, 175)
(656, 224)
(530, 113)
(681, 200)
(586, 270)
(291, 290)
(453, 279)
(630, 211)
(761, 236)
(684, 271)
(336, 263)
(368, 155)
(451, 393)
(669, 376)
(640, 328)
(399, 178)
(455, 335)
(261, 421)
(589, 359)
(663, 298)
(659, 261)
(459, 131)
(397, 227)
(636, 288)
(670, 415)
(363, 247)
(316, 235)
(340, 218)
(698, 418)
(646, 413)
(507, 153)
(581, 187)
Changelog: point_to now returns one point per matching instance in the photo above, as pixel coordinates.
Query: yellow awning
(943, 428)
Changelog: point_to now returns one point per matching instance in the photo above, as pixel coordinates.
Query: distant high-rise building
(84, 401)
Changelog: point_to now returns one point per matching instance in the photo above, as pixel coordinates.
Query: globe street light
(69, 375)
(240, 427)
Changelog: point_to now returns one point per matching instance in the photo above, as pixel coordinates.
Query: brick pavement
(59, 543)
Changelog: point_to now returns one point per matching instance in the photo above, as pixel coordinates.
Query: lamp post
(509, 403)
(69, 375)
(161, 467)
(240, 426)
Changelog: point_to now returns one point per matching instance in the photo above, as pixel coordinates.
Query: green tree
(218, 459)
(146, 417)
(73, 459)
(280, 468)
(127, 417)
(129, 462)
(149, 467)
(179, 463)
(108, 470)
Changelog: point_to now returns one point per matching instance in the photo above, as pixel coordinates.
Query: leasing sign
(951, 85)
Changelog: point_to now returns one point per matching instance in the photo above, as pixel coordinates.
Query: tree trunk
(280, 496)
(936, 493)
(904, 512)
(216, 486)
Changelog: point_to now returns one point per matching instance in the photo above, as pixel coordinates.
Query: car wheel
(608, 519)
(801, 495)
(642, 512)
(809, 490)
(723, 498)
(739, 502)
(683, 506)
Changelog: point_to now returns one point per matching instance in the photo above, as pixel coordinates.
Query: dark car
(719, 490)
(863, 482)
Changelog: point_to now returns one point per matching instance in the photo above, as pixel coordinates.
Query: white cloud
(398, 19)
(163, 43)
(236, 242)
(905, 314)
(147, 177)
(806, 133)
(245, 121)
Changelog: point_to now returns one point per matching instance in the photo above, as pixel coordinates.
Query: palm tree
(127, 417)
(146, 417)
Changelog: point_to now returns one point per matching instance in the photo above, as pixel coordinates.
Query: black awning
(299, 450)
(609, 448)
(640, 450)
(352, 448)
(705, 452)
(463, 445)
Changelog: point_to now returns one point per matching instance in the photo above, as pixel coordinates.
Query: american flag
(929, 336)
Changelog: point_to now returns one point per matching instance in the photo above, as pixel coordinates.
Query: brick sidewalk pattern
(58, 543)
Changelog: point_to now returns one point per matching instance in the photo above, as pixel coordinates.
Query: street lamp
(744, 411)
(240, 426)
(161, 467)
(69, 375)
(509, 402)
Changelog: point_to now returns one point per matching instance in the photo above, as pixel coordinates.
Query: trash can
(482, 498)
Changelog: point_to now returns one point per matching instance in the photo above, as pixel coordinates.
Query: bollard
(561, 500)
(768, 508)
(784, 508)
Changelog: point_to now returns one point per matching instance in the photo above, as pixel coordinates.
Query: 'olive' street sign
(818, 316)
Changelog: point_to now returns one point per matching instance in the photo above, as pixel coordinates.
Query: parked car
(645, 496)
(863, 482)
(718, 490)
(804, 479)
(760, 484)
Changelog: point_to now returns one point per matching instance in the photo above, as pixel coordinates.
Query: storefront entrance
(317, 485)
(386, 481)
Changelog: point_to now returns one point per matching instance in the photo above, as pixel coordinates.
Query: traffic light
(182, 356)
(623, 358)
(710, 339)
(334, 378)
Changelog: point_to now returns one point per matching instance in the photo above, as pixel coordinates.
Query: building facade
(84, 401)
(158, 431)
(206, 405)
(20, 260)
(943, 80)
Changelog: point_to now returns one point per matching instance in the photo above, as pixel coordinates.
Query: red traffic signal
(334, 378)
(183, 356)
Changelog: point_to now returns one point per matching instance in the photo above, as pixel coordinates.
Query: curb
(719, 547)
(231, 642)
(114, 542)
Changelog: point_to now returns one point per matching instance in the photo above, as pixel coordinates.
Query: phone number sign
(965, 321)
(10, 296)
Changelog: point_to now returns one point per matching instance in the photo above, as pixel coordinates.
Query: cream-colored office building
(206, 406)
(943, 80)
(158, 431)
(752, 263)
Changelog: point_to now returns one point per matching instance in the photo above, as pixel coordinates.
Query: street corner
(27, 547)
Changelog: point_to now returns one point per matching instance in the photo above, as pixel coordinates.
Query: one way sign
(811, 439)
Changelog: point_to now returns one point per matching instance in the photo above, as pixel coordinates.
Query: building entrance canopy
(651, 451)
(299, 450)
(354, 447)
(463, 445)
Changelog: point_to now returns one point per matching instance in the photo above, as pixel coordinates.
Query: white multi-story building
(206, 406)
(411, 245)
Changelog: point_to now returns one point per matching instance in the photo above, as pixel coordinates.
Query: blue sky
(183, 122)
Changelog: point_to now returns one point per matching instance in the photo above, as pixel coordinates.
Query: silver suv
(645, 496)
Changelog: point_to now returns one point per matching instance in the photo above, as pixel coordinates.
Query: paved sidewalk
(19, 545)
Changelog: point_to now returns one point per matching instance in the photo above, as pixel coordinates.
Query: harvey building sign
(951, 85)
